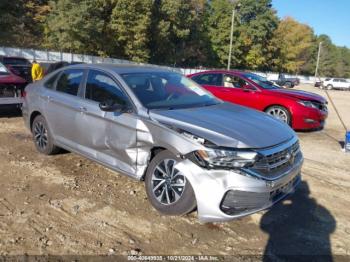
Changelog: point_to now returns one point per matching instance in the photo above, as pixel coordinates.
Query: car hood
(299, 94)
(11, 79)
(227, 125)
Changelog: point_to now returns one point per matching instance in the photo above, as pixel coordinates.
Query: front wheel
(168, 190)
(329, 87)
(279, 112)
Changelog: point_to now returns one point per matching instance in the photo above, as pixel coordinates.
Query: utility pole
(318, 59)
(231, 39)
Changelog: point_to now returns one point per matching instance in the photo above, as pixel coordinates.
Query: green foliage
(21, 22)
(80, 26)
(130, 22)
(290, 43)
(178, 32)
(173, 32)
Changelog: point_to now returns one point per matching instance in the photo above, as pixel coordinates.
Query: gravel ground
(68, 205)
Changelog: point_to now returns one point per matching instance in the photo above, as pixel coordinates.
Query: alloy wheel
(40, 135)
(279, 114)
(168, 184)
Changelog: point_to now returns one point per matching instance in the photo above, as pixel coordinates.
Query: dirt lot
(68, 205)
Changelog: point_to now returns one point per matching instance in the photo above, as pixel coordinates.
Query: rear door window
(50, 84)
(70, 81)
(208, 79)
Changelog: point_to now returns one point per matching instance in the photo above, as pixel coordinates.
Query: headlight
(308, 104)
(223, 158)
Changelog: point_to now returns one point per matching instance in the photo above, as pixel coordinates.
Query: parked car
(287, 82)
(301, 110)
(318, 83)
(11, 88)
(18, 66)
(152, 124)
(336, 83)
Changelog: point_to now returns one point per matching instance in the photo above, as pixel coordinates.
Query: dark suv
(19, 66)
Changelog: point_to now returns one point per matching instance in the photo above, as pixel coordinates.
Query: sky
(330, 17)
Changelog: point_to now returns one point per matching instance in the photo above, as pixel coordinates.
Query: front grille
(281, 191)
(277, 163)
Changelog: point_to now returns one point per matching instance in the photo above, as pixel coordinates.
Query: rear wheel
(42, 137)
(329, 87)
(167, 188)
(279, 112)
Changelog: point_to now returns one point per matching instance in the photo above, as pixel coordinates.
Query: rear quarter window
(69, 81)
(51, 82)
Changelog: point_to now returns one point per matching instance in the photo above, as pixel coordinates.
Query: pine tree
(130, 22)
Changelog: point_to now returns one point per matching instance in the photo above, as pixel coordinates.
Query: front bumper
(309, 119)
(223, 195)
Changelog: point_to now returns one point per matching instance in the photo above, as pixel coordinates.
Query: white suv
(336, 83)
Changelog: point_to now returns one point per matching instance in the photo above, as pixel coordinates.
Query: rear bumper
(10, 101)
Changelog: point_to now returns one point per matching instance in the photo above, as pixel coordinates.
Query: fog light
(309, 121)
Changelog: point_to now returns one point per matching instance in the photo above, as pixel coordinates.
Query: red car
(301, 110)
(11, 88)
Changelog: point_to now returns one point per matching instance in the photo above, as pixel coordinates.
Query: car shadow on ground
(10, 112)
(299, 229)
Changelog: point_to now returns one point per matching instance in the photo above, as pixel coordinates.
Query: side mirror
(112, 106)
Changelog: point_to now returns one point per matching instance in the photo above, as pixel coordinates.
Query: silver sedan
(192, 150)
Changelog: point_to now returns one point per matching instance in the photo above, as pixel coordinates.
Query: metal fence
(54, 56)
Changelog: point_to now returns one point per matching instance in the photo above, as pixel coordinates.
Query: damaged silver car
(192, 150)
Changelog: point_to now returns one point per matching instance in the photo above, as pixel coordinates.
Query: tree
(130, 22)
(81, 26)
(254, 25)
(178, 33)
(290, 43)
(21, 22)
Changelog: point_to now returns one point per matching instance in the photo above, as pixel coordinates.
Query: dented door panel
(108, 137)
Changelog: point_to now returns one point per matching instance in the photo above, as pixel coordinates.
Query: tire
(180, 200)
(42, 137)
(279, 112)
(329, 87)
(288, 85)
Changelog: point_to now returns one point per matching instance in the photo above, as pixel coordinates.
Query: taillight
(23, 93)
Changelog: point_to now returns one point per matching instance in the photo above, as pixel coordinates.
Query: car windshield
(261, 81)
(3, 70)
(168, 90)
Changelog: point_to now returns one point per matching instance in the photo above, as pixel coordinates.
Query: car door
(108, 137)
(336, 83)
(213, 82)
(210, 81)
(237, 90)
(343, 83)
(63, 106)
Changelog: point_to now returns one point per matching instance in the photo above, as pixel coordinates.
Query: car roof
(123, 68)
(238, 72)
(13, 57)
